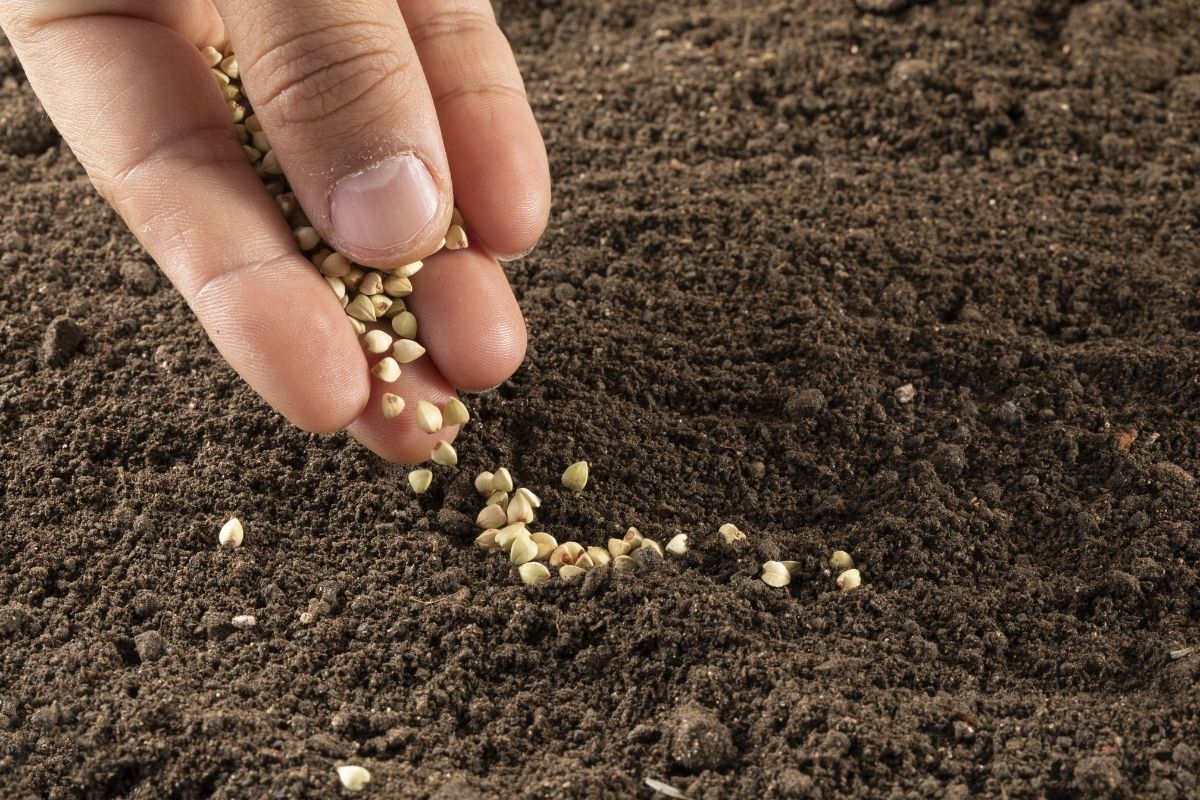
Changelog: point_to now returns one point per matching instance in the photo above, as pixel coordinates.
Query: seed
(335, 265)
(252, 155)
(345, 301)
(492, 516)
(232, 91)
(212, 56)
(237, 111)
(487, 540)
(339, 288)
(509, 534)
(408, 270)
(566, 553)
(444, 454)
(650, 544)
(841, 561)
(242, 134)
(570, 571)
(254, 124)
(533, 573)
(359, 328)
(222, 78)
(271, 166)
(372, 283)
(584, 561)
(455, 413)
(407, 351)
(576, 476)
(377, 342)
(231, 533)
(523, 549)
(625, 564)
(502, 480)
(533, 499)
(599, 556)
(634, 537)
(429, 418)
(497, 498)
(306, 237)
(456, 238)
(456, 216)
(849, 580)
(546, 544)
(353, 278)
(397, 286)
(387, 370)
(392, 404)
(678, 544)
(483, 483)
(244, 621)
(619, 547)
(730, 533)
(419, 480)
(793, 567)
(775, 574)
(404, 324)
(360, 307)
(382, 303)
(519, 509)
(230, 67)
(260, 142)
(353, 778)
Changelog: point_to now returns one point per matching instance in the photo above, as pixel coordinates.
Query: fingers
(470, 322)
(399, 439)
(497, 158)
(142, 111)
(341, 95)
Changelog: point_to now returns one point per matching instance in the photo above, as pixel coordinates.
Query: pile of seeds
(373, 298)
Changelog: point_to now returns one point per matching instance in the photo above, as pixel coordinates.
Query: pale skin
(341, 86)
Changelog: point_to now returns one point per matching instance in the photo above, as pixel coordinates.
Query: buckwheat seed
(231, 533)
(523, 549)
(566, 553)
(339, 288)
(387, 370)
(353, 778)
(212, 56)
(533, 572)
(599, 556)
(576, 476)
(841, 561)
(570, 571)
(405, 325)
(455, 413)
(420, 480)
(444, 454)
(487, 540)
(377, 342)
(497, 498)
(546, 544)
(625, 564)
(429, 418)
(491, 517)
(361, 308)
(502, 480)
(730, 533)
(397, 286)
(407, 351)
(372, 283)
(849, 580)
(230, 67)
(456, 238)
(775, 574)
(392, 404)
(619, 547)
(519, 509)
(678, 544)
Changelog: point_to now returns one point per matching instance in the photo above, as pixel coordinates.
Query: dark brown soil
(767, 220)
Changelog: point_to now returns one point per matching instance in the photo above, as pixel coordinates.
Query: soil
(920, 285)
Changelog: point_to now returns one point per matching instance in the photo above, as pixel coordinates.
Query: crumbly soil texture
(770, 221)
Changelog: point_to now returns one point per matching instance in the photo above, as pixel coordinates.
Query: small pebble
(62, 338)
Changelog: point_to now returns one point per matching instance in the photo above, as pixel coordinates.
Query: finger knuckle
(452, 23)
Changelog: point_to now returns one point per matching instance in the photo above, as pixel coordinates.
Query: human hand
(374, 108)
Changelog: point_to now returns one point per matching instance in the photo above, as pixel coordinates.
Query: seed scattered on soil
(634, 537)
(502, 480)
(730, 533)
(492, 516)
(387, 370)
(576, 476)
(231, 534)
(392, 404)
(841, 561)
(519, 509)
(599, 556)
(487, 540)
(533, 499)
(678, 544)
(444, 454)
(533, 572)
(625, 564)
(570, 571)
(546, 544)
(483, 483)
(849, 580)
(650, 544)
(619, 547)
(793, 567)
(353, 778)
(498, 498)
(523, 549)
(775, 574)
(244, 621)
(566, 553)
(455, 412)
(429, 417)
(420, 480)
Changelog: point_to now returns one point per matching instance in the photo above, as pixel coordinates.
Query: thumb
(340, 93)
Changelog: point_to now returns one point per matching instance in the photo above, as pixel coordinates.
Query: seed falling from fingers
(429, 418)
(420, 480)
(353, 778)
(231, 534)
(456, 238)
(387, 370)
(576, 476)
(849, 580)
(444, 454)
(533, 572)
(454, 412)
(407, 351)
(775, 574)
(393, 405)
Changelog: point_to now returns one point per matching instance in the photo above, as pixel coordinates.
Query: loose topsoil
(769, 217)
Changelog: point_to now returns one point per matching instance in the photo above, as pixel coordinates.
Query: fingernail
(385, 205)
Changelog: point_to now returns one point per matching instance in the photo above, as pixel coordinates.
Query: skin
(338, 85)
